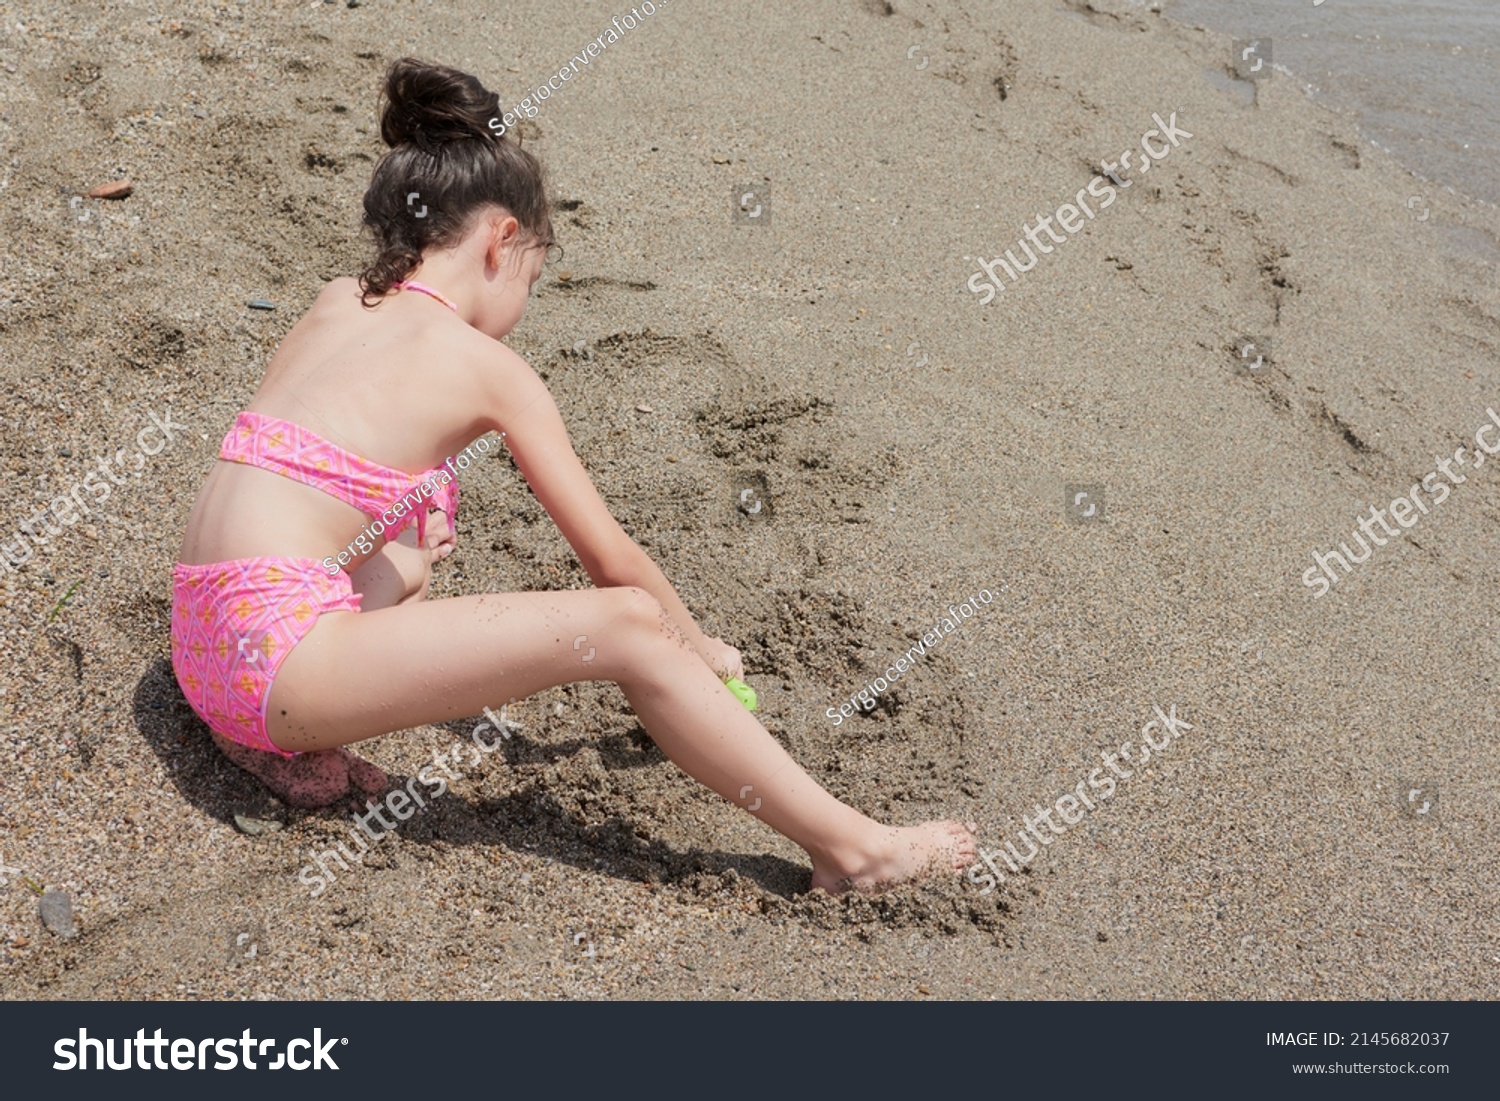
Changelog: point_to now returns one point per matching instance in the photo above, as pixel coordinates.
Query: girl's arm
(539, 444)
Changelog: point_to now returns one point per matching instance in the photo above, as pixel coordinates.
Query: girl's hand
(724, 659)
(441, 540)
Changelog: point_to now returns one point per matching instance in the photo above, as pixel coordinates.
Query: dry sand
(913, 447)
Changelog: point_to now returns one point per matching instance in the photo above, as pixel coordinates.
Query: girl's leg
(358, 675)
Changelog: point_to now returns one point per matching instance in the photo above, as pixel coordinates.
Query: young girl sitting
(290, 649)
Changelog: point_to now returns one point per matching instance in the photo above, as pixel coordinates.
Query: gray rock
(261, 304)
(56, 909)
(256, 826)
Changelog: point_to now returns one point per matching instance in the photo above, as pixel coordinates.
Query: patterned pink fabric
(234, 623)
(291, 450)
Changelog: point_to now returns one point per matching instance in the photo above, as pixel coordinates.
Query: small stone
(56, 910)
(644, 409)
(564, 276)
(200, 113)
(65, 452)
(261, 304)
(256, 826)
(671, 458)
(115, 189)
(721, 160)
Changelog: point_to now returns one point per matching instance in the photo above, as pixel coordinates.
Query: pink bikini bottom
(234, 623)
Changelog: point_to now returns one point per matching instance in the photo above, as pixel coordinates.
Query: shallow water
(1422, 76)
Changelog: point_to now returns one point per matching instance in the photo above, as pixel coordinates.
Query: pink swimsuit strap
(421, 288)
(294, 452)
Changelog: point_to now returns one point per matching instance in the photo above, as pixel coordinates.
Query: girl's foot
(898, 855)
(310, 780)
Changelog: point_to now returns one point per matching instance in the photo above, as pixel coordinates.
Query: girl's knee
(651, 633)
(640, 610)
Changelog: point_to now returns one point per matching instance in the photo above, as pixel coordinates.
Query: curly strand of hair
(395, 263)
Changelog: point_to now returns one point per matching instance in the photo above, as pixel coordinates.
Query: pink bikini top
(292, 451)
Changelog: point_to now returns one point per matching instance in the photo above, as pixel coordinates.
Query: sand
(909, 447)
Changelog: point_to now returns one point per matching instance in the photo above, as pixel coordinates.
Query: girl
(289, 650)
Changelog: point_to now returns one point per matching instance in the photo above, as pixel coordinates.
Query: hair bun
(427, 105)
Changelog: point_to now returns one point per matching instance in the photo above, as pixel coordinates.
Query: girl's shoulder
(339, 287)
(484, 353)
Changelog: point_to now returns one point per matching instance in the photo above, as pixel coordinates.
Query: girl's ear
(505, 235)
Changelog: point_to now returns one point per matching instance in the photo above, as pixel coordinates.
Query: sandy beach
(765, 338)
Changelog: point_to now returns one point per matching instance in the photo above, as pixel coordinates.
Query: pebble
(261, 304)
(115, 189)
(644, 409)
(56, 910)
(256, 826)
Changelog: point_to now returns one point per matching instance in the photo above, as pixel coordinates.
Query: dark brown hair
(444, 164)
